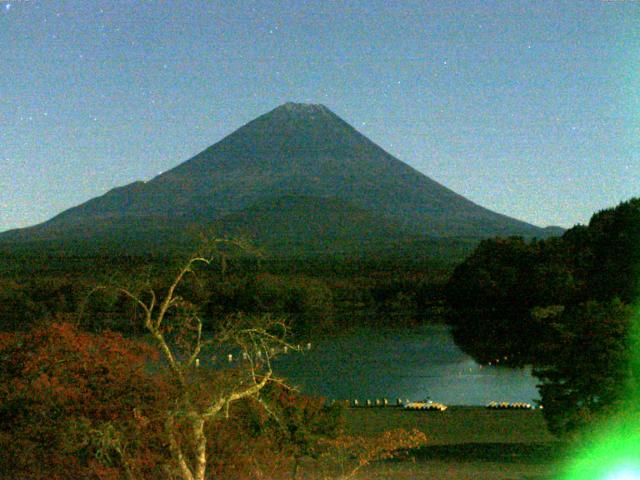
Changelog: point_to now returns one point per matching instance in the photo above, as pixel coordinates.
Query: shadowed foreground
(464, 443)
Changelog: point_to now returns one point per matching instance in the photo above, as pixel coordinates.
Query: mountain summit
(294, 151)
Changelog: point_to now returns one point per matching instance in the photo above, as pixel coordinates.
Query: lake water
(414, 364)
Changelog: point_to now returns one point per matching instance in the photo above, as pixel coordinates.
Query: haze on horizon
(530, 109)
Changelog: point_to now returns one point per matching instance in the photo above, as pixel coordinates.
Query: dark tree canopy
(562, 305)
(491, 295)
(588, 373)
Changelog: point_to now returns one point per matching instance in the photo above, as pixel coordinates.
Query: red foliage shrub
(75, 405)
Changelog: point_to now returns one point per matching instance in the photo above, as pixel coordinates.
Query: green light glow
(624, 473)
(613, 452)
(615, 455)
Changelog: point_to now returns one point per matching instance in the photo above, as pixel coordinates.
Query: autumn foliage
(79, 405)
(76, 405)
(345, 456)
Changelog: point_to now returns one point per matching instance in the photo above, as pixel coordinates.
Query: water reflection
(412, 363)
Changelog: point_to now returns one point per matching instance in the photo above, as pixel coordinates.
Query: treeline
(316, 294)
(563, 305)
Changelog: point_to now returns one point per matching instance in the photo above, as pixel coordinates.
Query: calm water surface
(413, 364)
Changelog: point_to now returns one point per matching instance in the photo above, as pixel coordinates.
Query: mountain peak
(293, 110)
(301, 128)
(303, 107)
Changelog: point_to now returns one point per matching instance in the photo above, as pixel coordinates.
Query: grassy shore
(464, 443)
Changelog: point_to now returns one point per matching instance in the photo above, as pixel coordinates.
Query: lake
(414, 364)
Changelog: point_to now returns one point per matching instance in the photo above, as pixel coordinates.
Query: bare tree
(177, 331)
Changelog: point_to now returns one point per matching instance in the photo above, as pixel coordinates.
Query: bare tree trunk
(201, 448)
(176, 451)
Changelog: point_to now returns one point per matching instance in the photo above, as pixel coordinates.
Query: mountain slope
(309, 224)
(296, 150)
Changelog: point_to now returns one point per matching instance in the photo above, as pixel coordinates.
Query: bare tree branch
(259, 338)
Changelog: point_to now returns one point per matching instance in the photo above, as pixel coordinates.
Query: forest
(310, 293)
(566, 305)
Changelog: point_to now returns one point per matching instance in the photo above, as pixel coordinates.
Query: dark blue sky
(529, 108)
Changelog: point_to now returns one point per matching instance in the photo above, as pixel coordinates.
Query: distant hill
(298, 176)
